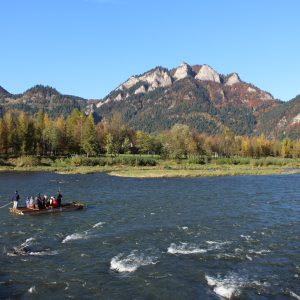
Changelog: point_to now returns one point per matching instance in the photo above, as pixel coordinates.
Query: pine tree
(47, 135)
(61, 134)
(30, 137)
(21, 130)
(89, 142)
(9, 124)
(39, 133)
(3, 138)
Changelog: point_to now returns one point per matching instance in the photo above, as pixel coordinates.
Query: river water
(194, 238)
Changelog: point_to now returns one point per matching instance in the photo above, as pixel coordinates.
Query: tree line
(40, 135)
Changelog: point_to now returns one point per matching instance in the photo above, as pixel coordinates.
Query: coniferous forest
(79, 134)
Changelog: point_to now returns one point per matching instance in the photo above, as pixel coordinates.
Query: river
(193, 238)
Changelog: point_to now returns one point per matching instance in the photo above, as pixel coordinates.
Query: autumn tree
(60, 128)
(296, 149)
(119, 136)
(74, 130)
(286, 148)
(89, 143)
(246, 147)
(39, 133)
(3, 138)
(102, 130)
(227, 143)
(179, 142)
(11, 133)
(21, 130)
(147, 143)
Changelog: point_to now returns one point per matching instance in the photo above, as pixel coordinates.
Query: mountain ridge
(40, 97)
(195, 95)
(139, 99)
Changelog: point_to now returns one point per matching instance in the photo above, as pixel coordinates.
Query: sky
(88, 47)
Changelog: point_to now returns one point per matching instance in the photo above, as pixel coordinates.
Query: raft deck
(36, 211)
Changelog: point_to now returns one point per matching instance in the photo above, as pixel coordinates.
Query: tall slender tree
(89, 143)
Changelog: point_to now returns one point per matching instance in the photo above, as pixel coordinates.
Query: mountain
(41, 97)
(3, 92)
(194, 95)
(282, 121)
(159, 98)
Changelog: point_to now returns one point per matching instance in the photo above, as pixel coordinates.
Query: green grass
(150, 166)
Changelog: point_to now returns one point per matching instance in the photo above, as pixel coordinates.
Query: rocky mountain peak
(128, 84)
(184, 70)
(232, 79)
(208, 73)
(158, 77)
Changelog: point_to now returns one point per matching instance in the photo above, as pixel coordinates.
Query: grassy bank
(154, 167)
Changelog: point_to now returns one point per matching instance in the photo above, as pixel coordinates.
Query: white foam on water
(249, 257)
(21, 249)
(42, 253)
(214, 245)
(225, 292)
(74, 237)
(32, 290)
(82, 235)
(226, 287)
(131, 262)
(294, 295)
(226, 256)
(27, 243)
(246, 237)
(238, 250)
(259, 252)
(185, 248)
(98, 224)
(257, 283)
(184, 228)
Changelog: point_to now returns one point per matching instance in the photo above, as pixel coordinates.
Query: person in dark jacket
(59, 198)
(15, 198)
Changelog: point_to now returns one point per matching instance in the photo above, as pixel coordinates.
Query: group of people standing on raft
(38, 202)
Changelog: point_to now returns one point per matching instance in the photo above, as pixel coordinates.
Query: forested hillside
(193, 95)
(38, 98)
(196, 96)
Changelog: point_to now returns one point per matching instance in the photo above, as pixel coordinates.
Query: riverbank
(171, 168)
(205, 171)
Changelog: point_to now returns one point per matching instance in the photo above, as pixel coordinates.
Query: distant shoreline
(163, 171)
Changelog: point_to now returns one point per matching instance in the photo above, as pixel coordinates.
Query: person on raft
(53, 202)
(59, 198)
(15, 198)
(38, 202)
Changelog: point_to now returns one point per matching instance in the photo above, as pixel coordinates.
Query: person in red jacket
(54, 203)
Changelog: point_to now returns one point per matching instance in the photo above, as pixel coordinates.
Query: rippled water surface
(201, 238)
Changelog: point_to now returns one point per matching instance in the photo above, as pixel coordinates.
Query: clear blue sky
(88, 47)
